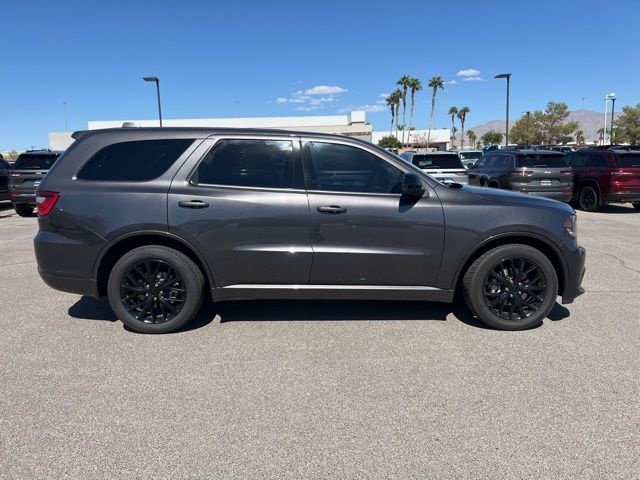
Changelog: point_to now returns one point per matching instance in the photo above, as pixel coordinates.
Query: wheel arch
(548, 248)
(121, 245)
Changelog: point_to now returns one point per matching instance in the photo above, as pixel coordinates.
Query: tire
(165, 285)
(481, 288)
(494, 184)
(636, 205)
(588, 198)
(23, 209)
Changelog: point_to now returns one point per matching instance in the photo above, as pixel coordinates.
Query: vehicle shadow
(618, 209)
(6, 209)
(88, 308)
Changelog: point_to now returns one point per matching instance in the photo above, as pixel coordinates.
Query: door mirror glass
(412, 185)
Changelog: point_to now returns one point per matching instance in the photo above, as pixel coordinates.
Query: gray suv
(542, 173)
(154, 218)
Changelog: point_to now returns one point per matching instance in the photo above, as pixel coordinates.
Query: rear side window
(628, 160)
(35, 162)
(579, 159)
(137, 161)
(542, 161)
(248, 163)
(437, 161)
(597, 160)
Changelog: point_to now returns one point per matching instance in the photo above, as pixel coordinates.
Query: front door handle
(335, 209)
(193, 204)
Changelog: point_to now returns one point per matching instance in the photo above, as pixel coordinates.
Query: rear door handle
(193, 204)
(335, 209)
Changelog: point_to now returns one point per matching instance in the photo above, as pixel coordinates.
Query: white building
(352, 124)
(440, 137)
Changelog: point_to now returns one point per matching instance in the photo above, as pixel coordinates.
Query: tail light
(45, 202)
(566, 172)
(522, 173)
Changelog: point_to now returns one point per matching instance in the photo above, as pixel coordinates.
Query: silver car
(445, 167)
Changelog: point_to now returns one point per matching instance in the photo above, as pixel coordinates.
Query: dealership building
(352, 124)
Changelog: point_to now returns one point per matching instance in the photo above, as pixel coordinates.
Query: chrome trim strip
(258, 286)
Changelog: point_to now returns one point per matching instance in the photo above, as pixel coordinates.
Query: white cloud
(281, 100)
(383, 95)
(324, 90)
(369, 108)
(473, 79)
(469, 72)
(451, 82)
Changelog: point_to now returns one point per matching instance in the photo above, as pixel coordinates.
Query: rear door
(363, 231)
(241, 202)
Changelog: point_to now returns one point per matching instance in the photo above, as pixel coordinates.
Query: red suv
(605, 176)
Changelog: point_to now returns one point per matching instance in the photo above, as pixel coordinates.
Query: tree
(544, 126)
(579, 137)
(397, 97)
(390, 142)
(462, 116)
(627, 126)
(435, 83)
(12, 155)
(415, 85)
(404, 83)
(391, 103)
(453, 111)
(472, 138)
(492, 138)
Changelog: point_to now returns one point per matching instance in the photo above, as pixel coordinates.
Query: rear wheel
(155, 289)
(494, 184)
(588, 198)
(511, 287)
(23, 209)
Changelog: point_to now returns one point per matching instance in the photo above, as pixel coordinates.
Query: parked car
(541, 173)
(5, 168)
(27, 173)
(152, 218)
(443, 166)
(605, 176)
(469, 156)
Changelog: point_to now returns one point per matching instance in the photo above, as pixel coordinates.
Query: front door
(363, 231)
(241, 207)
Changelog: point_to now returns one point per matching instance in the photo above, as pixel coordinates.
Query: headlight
(571, 226)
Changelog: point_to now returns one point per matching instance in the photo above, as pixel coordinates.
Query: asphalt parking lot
(323, 389)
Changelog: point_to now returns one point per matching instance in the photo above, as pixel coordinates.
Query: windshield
(437, 161)
(628, 160)
(36, 162)
(547, 161)
(470, 155)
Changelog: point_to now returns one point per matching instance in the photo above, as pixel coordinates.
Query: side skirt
(331, 292)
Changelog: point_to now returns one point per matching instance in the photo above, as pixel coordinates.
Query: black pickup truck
(25, 176)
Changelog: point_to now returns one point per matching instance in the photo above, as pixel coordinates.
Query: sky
(281, 58)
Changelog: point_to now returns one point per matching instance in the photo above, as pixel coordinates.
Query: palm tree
(391, 103)
(462, 116)
(404, 83)
(415, 85)
(397, 97)
(435, 83)
(472, 138)
(580, 137)
(453, 111)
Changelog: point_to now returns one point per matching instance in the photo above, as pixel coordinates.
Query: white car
(445, 167)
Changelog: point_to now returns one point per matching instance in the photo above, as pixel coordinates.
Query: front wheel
(23, 209)
(511, 287)
(155, 289)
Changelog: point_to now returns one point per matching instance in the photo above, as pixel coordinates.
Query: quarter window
(248, 163)
(137, 161)
(343, 168)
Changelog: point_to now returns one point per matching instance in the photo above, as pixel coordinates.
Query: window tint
(134, 161)
(343, 168)
(248, 163)
(470, 155)
(482, 162)
(597, 160)
(548, 161)
(631, 160)
(437, 161)
(501, 161)
(30, 161)
(580, 159)
(3, 164)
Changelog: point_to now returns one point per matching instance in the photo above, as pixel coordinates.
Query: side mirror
(412, 185)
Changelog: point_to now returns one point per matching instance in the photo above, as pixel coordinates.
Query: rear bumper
(81, 286)
(576, 259)
(20, 197)
(559, 196)
(622, 197)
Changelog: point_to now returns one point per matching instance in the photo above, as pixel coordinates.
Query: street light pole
(604, 130)
(157, 81)
(506, 135)
(613, 107)
(66, 129)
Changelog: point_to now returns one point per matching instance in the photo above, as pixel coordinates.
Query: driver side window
(344, 168)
